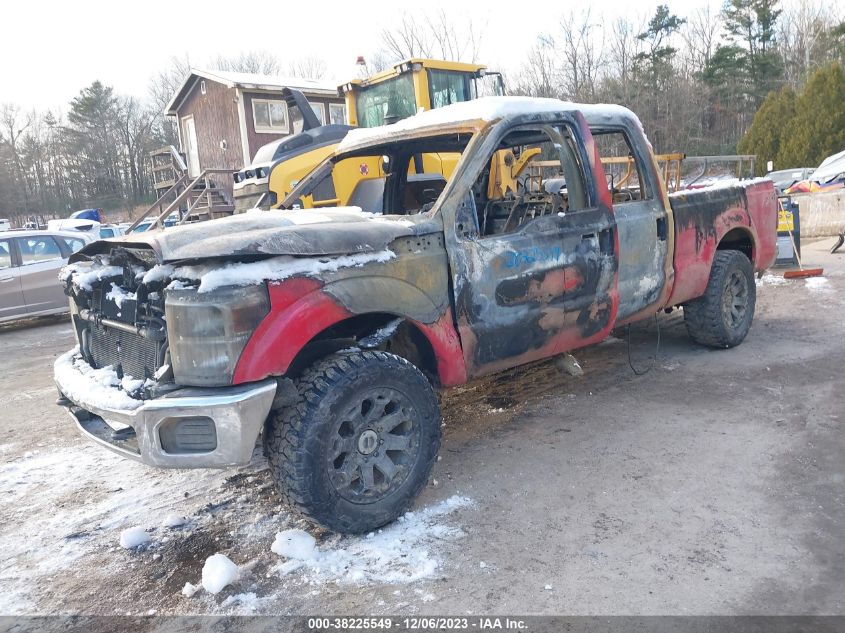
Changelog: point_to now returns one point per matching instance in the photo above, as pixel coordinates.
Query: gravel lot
(711, 485)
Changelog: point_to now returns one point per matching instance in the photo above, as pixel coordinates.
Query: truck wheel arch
(740, 239)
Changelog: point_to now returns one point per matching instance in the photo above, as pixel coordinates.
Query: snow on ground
(398, 553)
(57, 504)
(218, 572)
(770, 279)
(818, 284)
(68, 509)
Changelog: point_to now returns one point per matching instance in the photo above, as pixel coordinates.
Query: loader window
(447, 87)
(535, 172)
(386, 102)
(623, 169)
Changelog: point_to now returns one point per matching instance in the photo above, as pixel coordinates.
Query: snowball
(174, 520)
(296, 544)
(189, 590)
(218, 572)
(133, 537)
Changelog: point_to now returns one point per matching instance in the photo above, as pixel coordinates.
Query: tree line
(696, 81)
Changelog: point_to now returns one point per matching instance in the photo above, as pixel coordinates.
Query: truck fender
(302, 309)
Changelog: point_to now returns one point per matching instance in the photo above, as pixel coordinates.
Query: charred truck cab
(387, 97)
(325, 331)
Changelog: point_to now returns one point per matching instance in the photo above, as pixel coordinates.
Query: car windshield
(398, 178)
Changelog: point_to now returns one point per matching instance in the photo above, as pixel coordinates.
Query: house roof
(250, 81)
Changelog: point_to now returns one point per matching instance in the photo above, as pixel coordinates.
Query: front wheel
(722, 316)
(358, 446)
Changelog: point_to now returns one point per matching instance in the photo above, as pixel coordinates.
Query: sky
(52, 49)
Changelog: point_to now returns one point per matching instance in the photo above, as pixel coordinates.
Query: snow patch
(189, 590)
(119, 295)
(295, 544)
(817, 284)
(772, 280)
(214, 276)
(85, 274)
(173, 521)
(98, 388)
(218, 572)
(398, 553)
(727, 183)
(133, 537)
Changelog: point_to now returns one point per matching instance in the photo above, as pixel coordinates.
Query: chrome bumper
(236, 414)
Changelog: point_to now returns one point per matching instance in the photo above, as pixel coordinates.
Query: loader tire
(358, 445)
(722, 316)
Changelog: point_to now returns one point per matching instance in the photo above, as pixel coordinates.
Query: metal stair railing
(180, 198)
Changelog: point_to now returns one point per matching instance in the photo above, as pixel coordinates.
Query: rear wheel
(358, 446)
(722, 316)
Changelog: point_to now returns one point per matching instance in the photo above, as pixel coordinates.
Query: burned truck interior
(534, 171)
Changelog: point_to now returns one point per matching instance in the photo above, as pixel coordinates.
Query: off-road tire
(302, 439)
(709, 319)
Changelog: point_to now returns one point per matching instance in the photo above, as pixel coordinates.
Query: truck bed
(737, 216)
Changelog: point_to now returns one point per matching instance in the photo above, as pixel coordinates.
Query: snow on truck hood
(311, 233)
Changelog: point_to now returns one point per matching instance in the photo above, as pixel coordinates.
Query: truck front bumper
(187, 428)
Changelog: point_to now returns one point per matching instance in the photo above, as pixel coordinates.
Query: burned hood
(318, 232)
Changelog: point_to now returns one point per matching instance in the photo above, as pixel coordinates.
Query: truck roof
(477, 112)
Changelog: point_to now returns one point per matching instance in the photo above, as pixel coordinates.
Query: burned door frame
(643, 227)
(500, 328)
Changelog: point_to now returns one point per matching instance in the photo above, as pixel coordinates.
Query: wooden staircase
(192, 200)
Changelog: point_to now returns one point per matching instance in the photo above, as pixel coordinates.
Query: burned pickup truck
(472, 238)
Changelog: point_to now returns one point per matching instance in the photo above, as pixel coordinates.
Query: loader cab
(416, 84)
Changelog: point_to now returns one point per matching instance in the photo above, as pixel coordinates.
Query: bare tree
(434, 35)
(309, 67)
(700, 36)
(805, 36)
(538, 75)
(259, 62)
(582, 53)
(162, 88)
(13, 126)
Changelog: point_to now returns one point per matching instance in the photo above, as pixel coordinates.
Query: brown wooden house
(224, 117)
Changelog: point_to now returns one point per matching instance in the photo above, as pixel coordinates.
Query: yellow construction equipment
(389, 96)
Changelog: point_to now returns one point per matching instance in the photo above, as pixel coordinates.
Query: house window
(270, 115)
(320, 111)
(337, 113)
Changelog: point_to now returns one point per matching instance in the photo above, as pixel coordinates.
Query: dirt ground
(713, 484)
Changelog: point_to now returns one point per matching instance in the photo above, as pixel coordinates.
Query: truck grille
(137, 356)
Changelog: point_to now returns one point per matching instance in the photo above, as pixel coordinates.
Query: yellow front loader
(389, 96)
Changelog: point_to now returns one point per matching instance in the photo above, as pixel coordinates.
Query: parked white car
(88, 227)
(5, 225)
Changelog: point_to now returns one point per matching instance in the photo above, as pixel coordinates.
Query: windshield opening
(400, 178)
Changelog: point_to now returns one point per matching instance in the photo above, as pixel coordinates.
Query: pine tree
(818, 128)
(653, 69)
(766, 133)
(751, 26)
